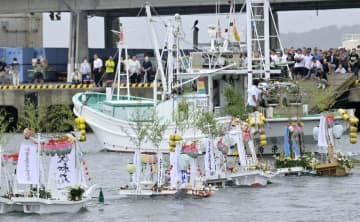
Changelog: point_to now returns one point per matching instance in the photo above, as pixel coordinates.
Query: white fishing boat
(65, 191)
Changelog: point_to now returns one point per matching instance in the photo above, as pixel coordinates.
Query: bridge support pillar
(274, 41)
(78, 48)
(111, 22)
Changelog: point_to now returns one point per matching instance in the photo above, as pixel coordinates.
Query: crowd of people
(9, 74)
(316, 64)
(304, 63)
(102, 73)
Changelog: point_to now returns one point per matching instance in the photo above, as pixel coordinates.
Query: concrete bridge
(132, 7)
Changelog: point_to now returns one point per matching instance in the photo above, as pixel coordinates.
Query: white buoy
(316, 133)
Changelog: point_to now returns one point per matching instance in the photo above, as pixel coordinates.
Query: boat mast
(257, 14)
(156, 50)
(38, 165)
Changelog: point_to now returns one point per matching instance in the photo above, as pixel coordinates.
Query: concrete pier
(14, 98)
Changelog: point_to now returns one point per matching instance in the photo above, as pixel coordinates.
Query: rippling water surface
(287, 199)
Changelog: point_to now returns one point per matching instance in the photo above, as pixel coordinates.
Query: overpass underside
(202, 9)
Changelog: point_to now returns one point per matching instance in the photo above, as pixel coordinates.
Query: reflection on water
(287, 199)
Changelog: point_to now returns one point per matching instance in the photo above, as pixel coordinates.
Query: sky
(137, 34)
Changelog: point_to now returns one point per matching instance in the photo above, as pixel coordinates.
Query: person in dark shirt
(2, 70)
(354, 62)
(146, 69)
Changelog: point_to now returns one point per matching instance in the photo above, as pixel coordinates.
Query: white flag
(28, 165)
(174, 172)
(241, 150)
(209, 158)
(160, 172)
(62, 170)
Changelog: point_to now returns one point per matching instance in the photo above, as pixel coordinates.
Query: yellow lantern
(178, 137)
(172, 143)
(252, 123)
(341, 111)
(172, 149)
(82, 126)
(353, 140)
(353, 129)
(172, 137)
(131, 168)
(353, 135)
(263, 142)
(261, 123)
(354, 120)
(262, 137)
(81, 120)
(345, 117)
(82, 138)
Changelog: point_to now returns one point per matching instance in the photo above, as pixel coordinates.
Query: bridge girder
(164, 7)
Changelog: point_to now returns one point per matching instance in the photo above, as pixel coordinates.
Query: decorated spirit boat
(333, 163)
(247, 171)
(65, 191)
(150, 179)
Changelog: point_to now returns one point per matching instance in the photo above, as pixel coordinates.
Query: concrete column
(274, 42)
(110, 23)
(72, 46)
(81, 38)
(78, 47)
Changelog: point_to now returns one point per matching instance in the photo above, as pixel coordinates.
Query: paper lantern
(131, 168)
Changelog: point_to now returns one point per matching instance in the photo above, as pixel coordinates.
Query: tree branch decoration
(157, 129)
(236, 106)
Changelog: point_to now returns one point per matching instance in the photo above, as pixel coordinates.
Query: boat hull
(251, 179)
(114, 134)
(46, 206)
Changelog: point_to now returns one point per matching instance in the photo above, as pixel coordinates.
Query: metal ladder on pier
(258, 17)
(121, 80)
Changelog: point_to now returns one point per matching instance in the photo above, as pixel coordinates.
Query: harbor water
(305, 198)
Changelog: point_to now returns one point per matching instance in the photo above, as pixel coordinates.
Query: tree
(32, 117)
(4, 125)
(56, 118)
(207, 124)
(236, 106)
(157, 129)
(59, 118)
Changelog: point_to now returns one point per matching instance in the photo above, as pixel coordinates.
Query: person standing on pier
(97, 66)
(254, 95)
(109, 71)
(354, 63)
(85, 69)
(14, 71)
(146, 69)
(133, 66)
(2, 70)
(299, 64)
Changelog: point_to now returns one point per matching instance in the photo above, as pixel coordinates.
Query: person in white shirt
(299, 63)
(254, 95)
(76, 77)
(133, 66)
(307, 64)
(316, 68)
(274, 57)
(85, 69)
(97, 68)
(340, 69)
